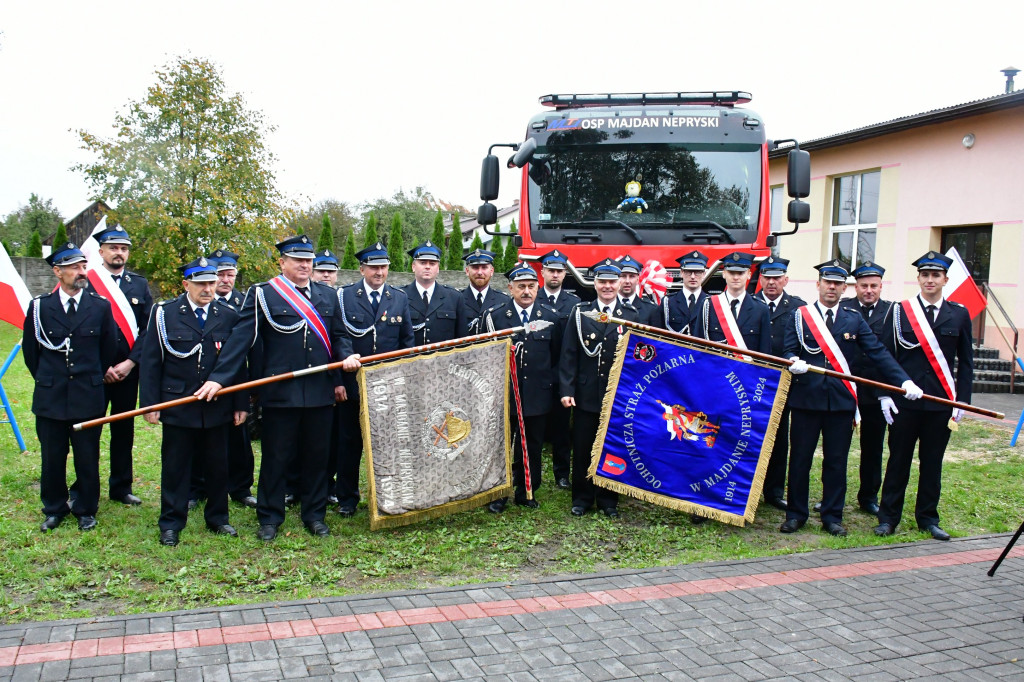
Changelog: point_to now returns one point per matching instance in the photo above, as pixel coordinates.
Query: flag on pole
(103, 284)
(961, 287)
(14, 295)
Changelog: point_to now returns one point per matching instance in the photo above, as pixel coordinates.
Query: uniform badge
(384, 317)
(135, 301)
(202, 262)
(593, 335)
(846, 335)
(399, 318)
(619, 311)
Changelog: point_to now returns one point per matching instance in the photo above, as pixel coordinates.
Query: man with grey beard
(69, 342)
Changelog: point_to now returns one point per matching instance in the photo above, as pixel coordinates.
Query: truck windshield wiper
(704, 223)
(598, 223)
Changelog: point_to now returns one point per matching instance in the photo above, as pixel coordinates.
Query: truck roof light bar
(575, 101)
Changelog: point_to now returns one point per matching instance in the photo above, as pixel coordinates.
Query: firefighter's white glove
(888, 409)
(913, 391)
(958, 414)
(798, 366)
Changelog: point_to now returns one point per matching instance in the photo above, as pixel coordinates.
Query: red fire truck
(654, 175)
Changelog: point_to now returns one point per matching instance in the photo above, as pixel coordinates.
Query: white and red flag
(103, 284)
(14, 295)
(961, 287)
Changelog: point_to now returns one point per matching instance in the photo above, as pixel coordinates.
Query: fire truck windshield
(713, 188)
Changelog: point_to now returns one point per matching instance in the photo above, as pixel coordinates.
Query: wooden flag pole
(608, 319)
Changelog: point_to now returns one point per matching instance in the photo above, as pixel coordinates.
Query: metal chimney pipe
(1010, 72)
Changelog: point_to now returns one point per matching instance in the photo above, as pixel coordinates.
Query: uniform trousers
(241, 462)
(775, 474)
(584, 493)
(534, 446)
(55, 437)
(180, 450)
(928, 430)
(288, 431)
(836, 432)
(349, 452)
(872, 441)
(559, 428)
(121, 397)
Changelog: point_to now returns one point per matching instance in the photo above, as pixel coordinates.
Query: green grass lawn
(120, 567)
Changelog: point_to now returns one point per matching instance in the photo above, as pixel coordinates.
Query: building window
(776, 207)
(855, 217)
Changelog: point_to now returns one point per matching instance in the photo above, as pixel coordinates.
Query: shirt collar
(369, 289)
(925, 304)
(206, 308)
(740, 298)
(429, 292)
(482, 292)
(548, 293)
(64, 297)
(822, 307)
(519, 311)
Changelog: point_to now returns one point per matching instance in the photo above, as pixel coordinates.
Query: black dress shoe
(870, 508)
(883, 529)
(192, 504)
(611, 512)
(563, 483)
(51, 522)
(332, 499)
(776, 502)
(289, 500)
(791, 526)
(817, 507)
(247, 501)
(530, 504)
(86, 522)
(225, 529)
(836, 529)
(936, 532)
(267, 532)
(577, 511)
(169, 538)
(318, 528)
(496, 507)
(128, 499)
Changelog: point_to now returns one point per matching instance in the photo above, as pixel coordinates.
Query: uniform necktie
(606, 310)
(526, 318)
(201, 316)
(551, 300)
(426, 301)
(931, 313)
(771, 307)
(306, 292)
(374, 301)
(71, 309)
(117, 280)
(735, 305)
(865, 310)
(829, 320)
(480, 300)
(691, 300)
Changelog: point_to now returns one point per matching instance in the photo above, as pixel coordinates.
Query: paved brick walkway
(918, 611)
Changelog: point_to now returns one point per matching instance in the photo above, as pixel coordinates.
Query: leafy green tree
(310, 220)
(437, 236)
(415, 208)
(455, 245)
(8, 247)
(396, 244)
(511, 250)
(188, 170)
(35, 246)
(326, 238)
(349, 261)
(38, 215)
(370, 233)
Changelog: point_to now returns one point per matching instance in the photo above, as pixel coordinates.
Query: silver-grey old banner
(436, 433)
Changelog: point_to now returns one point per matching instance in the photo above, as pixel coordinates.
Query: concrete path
(925, 610)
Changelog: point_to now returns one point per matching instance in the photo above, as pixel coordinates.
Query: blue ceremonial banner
(688, 428)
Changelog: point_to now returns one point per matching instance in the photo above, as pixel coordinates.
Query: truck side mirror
(523, 154)
(798, 174)
(487, 214)
(489, 178)
(798, 212)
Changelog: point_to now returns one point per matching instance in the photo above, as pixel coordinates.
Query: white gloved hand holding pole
(913, 391)
(798, 366)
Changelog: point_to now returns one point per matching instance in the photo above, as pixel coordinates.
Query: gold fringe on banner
(379, 519)
(672, 503)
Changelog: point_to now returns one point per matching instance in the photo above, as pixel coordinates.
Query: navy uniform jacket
(235, 299)
(583, 377)
(752, 320)
(952, 328)
(391, 322)
(70, 387)
(536, 354)
(275, 352)
(441, 321)
(473, 311)
(781, 318)
(164, 376)
(862, 366)
(648, 312)
(564, 305)
(813, 391)
(136, 290)
(677, 317)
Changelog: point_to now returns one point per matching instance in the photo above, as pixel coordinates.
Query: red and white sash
(929, 344)
(103, 284)
(728, 322)
(301, 305)
(812, 318)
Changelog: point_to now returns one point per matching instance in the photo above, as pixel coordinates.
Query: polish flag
(14, 295)
(961, 287)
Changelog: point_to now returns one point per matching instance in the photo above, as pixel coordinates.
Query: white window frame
(776, 204)
(856, 227)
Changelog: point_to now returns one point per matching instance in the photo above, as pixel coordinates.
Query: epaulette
(754, 298)
(45, 294)
(93, 293)
(954, 303)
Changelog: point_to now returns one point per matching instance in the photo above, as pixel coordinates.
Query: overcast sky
(371, 97)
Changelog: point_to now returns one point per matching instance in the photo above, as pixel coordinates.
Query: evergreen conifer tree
(35, 246)
(62, 235)
(437, 236)
(499, 254)
(396, 245)
(370, 234)
(511, 250)
(477, 243)
(326, 239)
(348, 261)
(455, 245)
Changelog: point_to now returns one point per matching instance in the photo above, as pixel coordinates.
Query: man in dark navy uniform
(122, 378)
(536, 357)
(287, 324)
(479, 296)
(69, 342)
(629, 279)
(749, 315)
(945, 329)
(227, 273)
(185, 336)
(375, 320)
(554, 265)
(679, 309)
(325, 268)
(869, 304)
(587, 356)
(436, 310)
(824, 334)
(773, 277)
